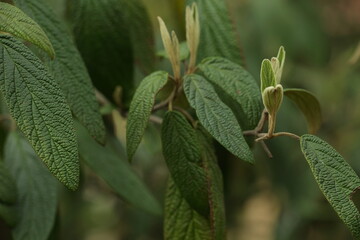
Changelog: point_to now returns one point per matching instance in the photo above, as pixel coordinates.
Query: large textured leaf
(18, 24)
(8, 195)
(104, 41)
(309, 106)
(217, 36)
(216, 117)
(141, 33)
(37, 190)
(140, 109)
(39, 108)
(180, 221)
(68, 68)
(336, 179)
(116, 172)
(215, 185)
(183, 158)
(236, 82)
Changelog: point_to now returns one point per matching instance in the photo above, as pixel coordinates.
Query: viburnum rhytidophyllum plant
(222, 100)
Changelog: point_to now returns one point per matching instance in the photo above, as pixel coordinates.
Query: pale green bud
(272, 98)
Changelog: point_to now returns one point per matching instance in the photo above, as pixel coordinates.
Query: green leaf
(267, 75)
(8, 192)
(39, 108)
(216, 117)
(104, 41)
(309, 106)
(336, 179)
(37, 190)
(141, 33)
(117, 173)
(236, 82)
(180, 221)
(140, 109)
(183, 158)
(215, 185)
(8, 195)
(18, 24)
(217, 37)
(68, 68)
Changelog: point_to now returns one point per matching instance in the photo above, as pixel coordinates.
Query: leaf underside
(238, 83)
(336, 179)
(39, 108)
(140, 109)
(216, 117)
(18, 24)
(68, 68)
(309, 106)
(37, 190)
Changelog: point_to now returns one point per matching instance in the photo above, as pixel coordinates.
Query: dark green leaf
(140, 109)
(180, 221)
(8, 195)
(68, 68)
(183, 158)
(215, 185)
(39, 108)
(37, 190)
(267, 75)
(116, 172)
(104, 41)
(18, 24)
(217, 36)
(7, 186)
(216, 117)
(336, 179)
(236, 82)
(309, 106)
(141, 33)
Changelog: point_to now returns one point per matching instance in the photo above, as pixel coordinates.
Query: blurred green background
(277, 198)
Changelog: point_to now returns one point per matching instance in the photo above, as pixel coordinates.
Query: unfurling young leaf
(68, 68)
(238, 83)
(116, 172)
(192, 33)
(37, 190)
(18, 24)
(140, 109)
(309, 106)
(216, 117)
(217, 36)
(40, 109)
(267, 75)
(172, 48)
(272, 98)
(183, 158)
(278, 64)
(336, 179)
